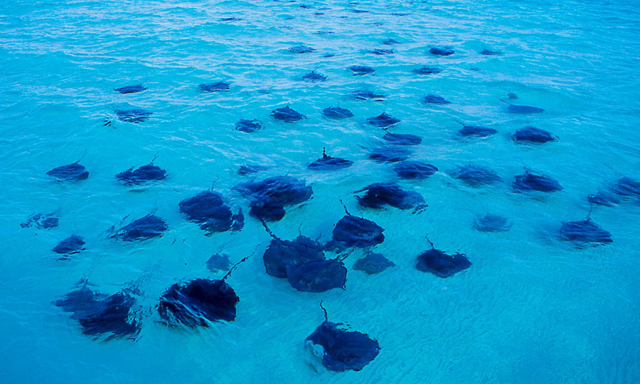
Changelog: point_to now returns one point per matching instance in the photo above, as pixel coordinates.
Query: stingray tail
(235, 266)
(430, 243)
(326, 316)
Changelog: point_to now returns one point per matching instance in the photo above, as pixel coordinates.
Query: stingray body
(328, 163)
(283, 253)
(441, 51)
(365, 94)
(70, 172)
(314, 77)
(317, 276)
(144, 174)
(382, 52)
(530, 134)
(435, 99)
(248, 126)
(287, 114)
(270, 196)
(131, 89)
(389, 154)
(343, 350)
(359, 70)
(301, 49)
(248, 169)
(442, 264)
(101, 315)
(584, 232)
(533, 182)
(145, 228)
(402, 139)
(209, 211)
(627, 187)
(476, 176)
(476, 131)
(69, 246)
(373, 263)
(604, 198)
(218, 86)
(380, 194)
(414, 170)
(337, 113)
(523, 109)
(487, 52)
(491, 223)
(218, 262)
(390, 41)
(197, 303)
(135, 115)
(427, 71)
(383, 120)
(352, 231)
(41, 221)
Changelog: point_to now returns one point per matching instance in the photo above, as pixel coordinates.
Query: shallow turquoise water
(531, 309)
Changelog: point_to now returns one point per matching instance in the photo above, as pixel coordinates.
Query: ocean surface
(532, 308)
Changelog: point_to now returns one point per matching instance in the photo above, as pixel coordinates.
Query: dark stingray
(475, 175)
(383, 120)
(402, 139)
(373, 263)
(585, 231)
(248, 125)
(250, 169)
(389, 154)
(441, 51)
(626, 187)
(364, 94)
(531, 134)
(145, 228)
(488, 52)
(101, 315)
(228, 19)
(512, 96)
(476, 131)
(218, 86)
(317, 276)
(337, 113)
(414, 170)
(342, 350)
(142, 175)
(604, 198)
(389, 42)
(313, 77)
(131, 89)
(440, 263)
(41, 221)
(359, 11)
(270, 196)
(287, 114)
(209, 211)
(135, 115)
(352, 231)
(69, 246)
(533, 182)
(328, 163)
(427, 71)
(70, 172)
(435, 99)
(301, 49)
(382, 52)
(218, 262)
(282, 253)
(380, 194)
(491, 223)
(359, 70)
(522, 109)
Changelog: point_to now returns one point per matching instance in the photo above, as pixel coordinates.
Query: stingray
(317, 276)
(328, 163)
(378, 195)
(218, 86)
(142, 175)
(488, 52)
(427, 71)
(441, 51)
(491, 223)
(248, 169)
(337, 112)
(282, 253)
(270, 196)
(313, 77)
(145, 228)
(414, 170)
(41, 221)
(102, 315)
(341, 350)
(69, 246)
(359, 11)
(70, 172)
(475, 175)
(359, 70)
(627, 187)
(402, 139)
(604, 198)
(287, 114)
(383, 120)
(135, 115)
(227, 19)
(389, 42)
(382, 52)
(522, 109)
(440, 263)
(301, 49)
(352, 231)
(389, 154)
(363, 94)
(533, 182)
(583, 232)
(531, 134)
(373, 263)
(476, 131)
(248, 125)
(131, 89)
(512, 96)
(218, 262)
(435, 99)
(209, 211)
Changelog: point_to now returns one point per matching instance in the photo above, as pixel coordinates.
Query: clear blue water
(531, 309)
